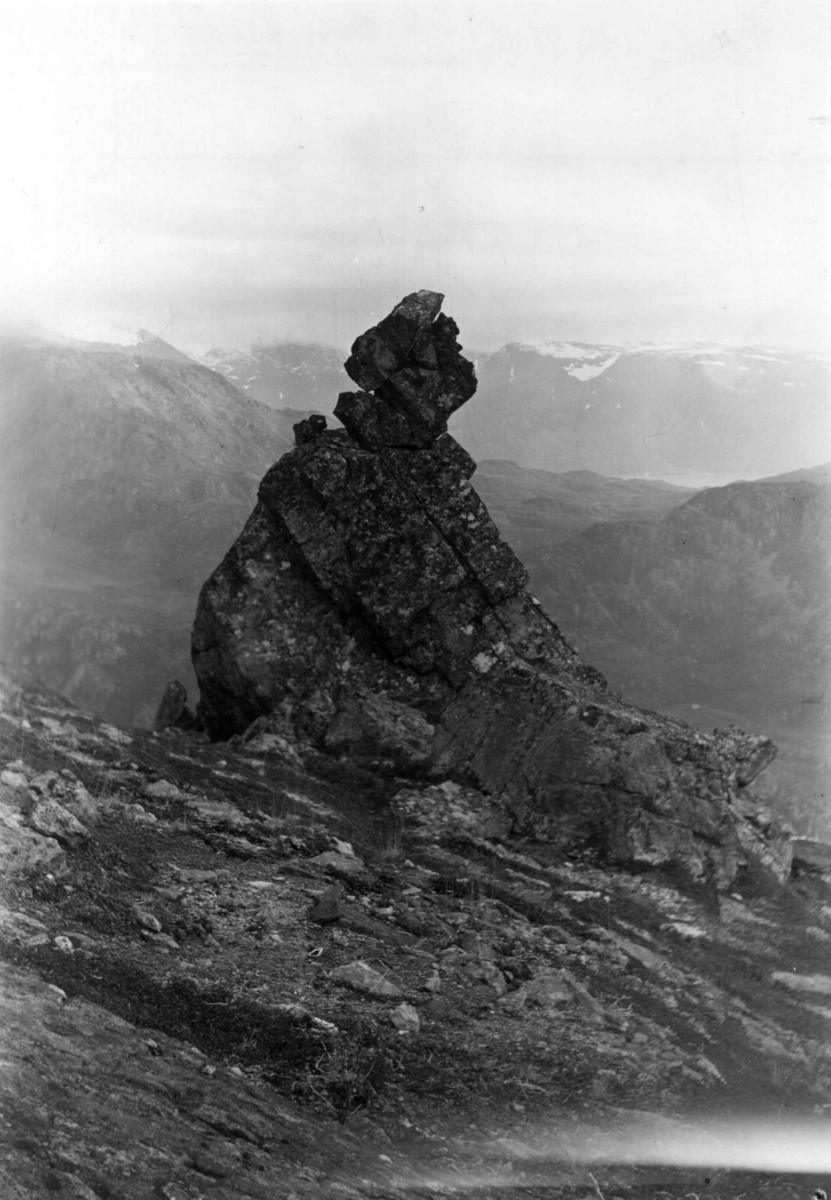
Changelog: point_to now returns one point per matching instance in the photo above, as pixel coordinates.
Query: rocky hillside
(665, 412)
(124, 475)
(439, 914)
(253, 970)
(721, 610)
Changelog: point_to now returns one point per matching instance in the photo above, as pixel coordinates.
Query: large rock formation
(370, 603)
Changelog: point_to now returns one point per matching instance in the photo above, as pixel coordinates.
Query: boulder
(411, 375)
(308, 429)
(328, 907)
(549, 990)
(23, 852)
(405, 1018)
(340, 864)
(53, 820)
(173, 711)
(370, 604)
(363, 978)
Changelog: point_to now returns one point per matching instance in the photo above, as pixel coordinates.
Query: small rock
(46, 783)
(53, 820)
(341, 864)
(25, 852)
(344, 848)
(162, 939)
(818, 984)
(162, 789)
(363, 978)
(80, 803)
(64, 944)
(486, 972)
(208, 1070)
(219, 813)
(687, 931)
(81, 941)
(709, 1068)
(14, 779)
(647, 958)
(309, 429)
(172, 706)
(170, 893)
(19, 765)
(405, 1018)
(514, 1001)
(549, 990)
(192, 875)
(327, 908)
(146, 920)
(476, 946)
(18, 926)
(433, 984)
(137, 812)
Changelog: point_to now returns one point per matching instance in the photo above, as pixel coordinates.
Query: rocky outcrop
(370, 603)
(412, 374)
(173, 711)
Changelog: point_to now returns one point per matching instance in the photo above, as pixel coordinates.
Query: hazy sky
(592, 169)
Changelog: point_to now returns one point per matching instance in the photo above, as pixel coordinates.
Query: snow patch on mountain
(591, 372)
(568, 350)
(100, 333)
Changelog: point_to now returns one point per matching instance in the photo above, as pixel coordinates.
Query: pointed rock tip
(411, 374)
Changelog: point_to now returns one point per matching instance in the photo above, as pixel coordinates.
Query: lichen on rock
(371, 603)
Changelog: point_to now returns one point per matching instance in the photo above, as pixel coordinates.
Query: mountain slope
(666, 412)
(284, 374)
(123, 476)
(534, 509)
(719, 611)
(187, 975)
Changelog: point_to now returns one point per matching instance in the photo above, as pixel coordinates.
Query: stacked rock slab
(370, 604)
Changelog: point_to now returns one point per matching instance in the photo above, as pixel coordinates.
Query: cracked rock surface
(265, 972)
(370, 606)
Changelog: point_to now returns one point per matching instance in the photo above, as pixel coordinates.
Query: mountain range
(720, 612)
(692, 414)
(284, 374)
(686, 414)
(128, 468)
(446, 912)
(125, 471)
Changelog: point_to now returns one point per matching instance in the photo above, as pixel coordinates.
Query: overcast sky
(591, 169)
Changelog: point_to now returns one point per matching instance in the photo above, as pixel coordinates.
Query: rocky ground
(252, 970)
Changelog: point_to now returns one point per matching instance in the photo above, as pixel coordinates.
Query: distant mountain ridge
(128, 468)
(536, 509)
(654, 411)
(718, 612)
(284, 374)
(125, 472)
